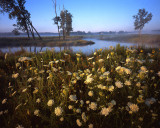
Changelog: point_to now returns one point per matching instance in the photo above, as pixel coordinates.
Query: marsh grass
(131, 38)
(83, 87)
(46, 41)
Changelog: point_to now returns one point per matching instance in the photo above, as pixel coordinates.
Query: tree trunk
(32, 33)
(140, 36)
(31, 30)
(58, 32)
(63, 33)
(36, 31)
(56, 16)
(26, 26)
(27, 32)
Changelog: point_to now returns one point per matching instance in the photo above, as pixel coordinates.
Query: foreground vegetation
(115, 87)
(46, 41)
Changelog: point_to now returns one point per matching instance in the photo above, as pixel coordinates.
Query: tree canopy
(15, 32)
(66, 22)
(16, 10)
(141, 19)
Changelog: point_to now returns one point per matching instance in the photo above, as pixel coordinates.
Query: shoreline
(46, 41)
(53, 41)
(131, 38)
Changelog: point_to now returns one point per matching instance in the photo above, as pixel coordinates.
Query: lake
(84, 49)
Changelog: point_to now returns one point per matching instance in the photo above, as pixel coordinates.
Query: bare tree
(65, 21)
(56, 19)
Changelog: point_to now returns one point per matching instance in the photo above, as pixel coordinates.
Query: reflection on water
(85, 49)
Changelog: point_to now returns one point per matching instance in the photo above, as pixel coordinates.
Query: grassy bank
(131, 38)
(116, 87)
(46, 41)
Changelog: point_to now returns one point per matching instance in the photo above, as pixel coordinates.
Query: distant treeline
(97, 33)
(72, 33)
(78, 33)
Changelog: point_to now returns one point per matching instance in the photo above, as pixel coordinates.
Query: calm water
(85, 49)
(56, 34)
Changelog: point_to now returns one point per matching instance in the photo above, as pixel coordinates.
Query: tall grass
(115, 87)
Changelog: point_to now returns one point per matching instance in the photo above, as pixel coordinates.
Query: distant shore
(131, 38)
(52, 41)
(46, 41)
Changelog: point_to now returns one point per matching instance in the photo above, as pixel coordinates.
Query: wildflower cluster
(109, 88)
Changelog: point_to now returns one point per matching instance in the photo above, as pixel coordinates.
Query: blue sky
(88, 15)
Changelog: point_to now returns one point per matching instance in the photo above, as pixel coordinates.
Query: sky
(88, 15)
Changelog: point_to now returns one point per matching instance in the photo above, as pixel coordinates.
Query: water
(46, 34)
(85, 49)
